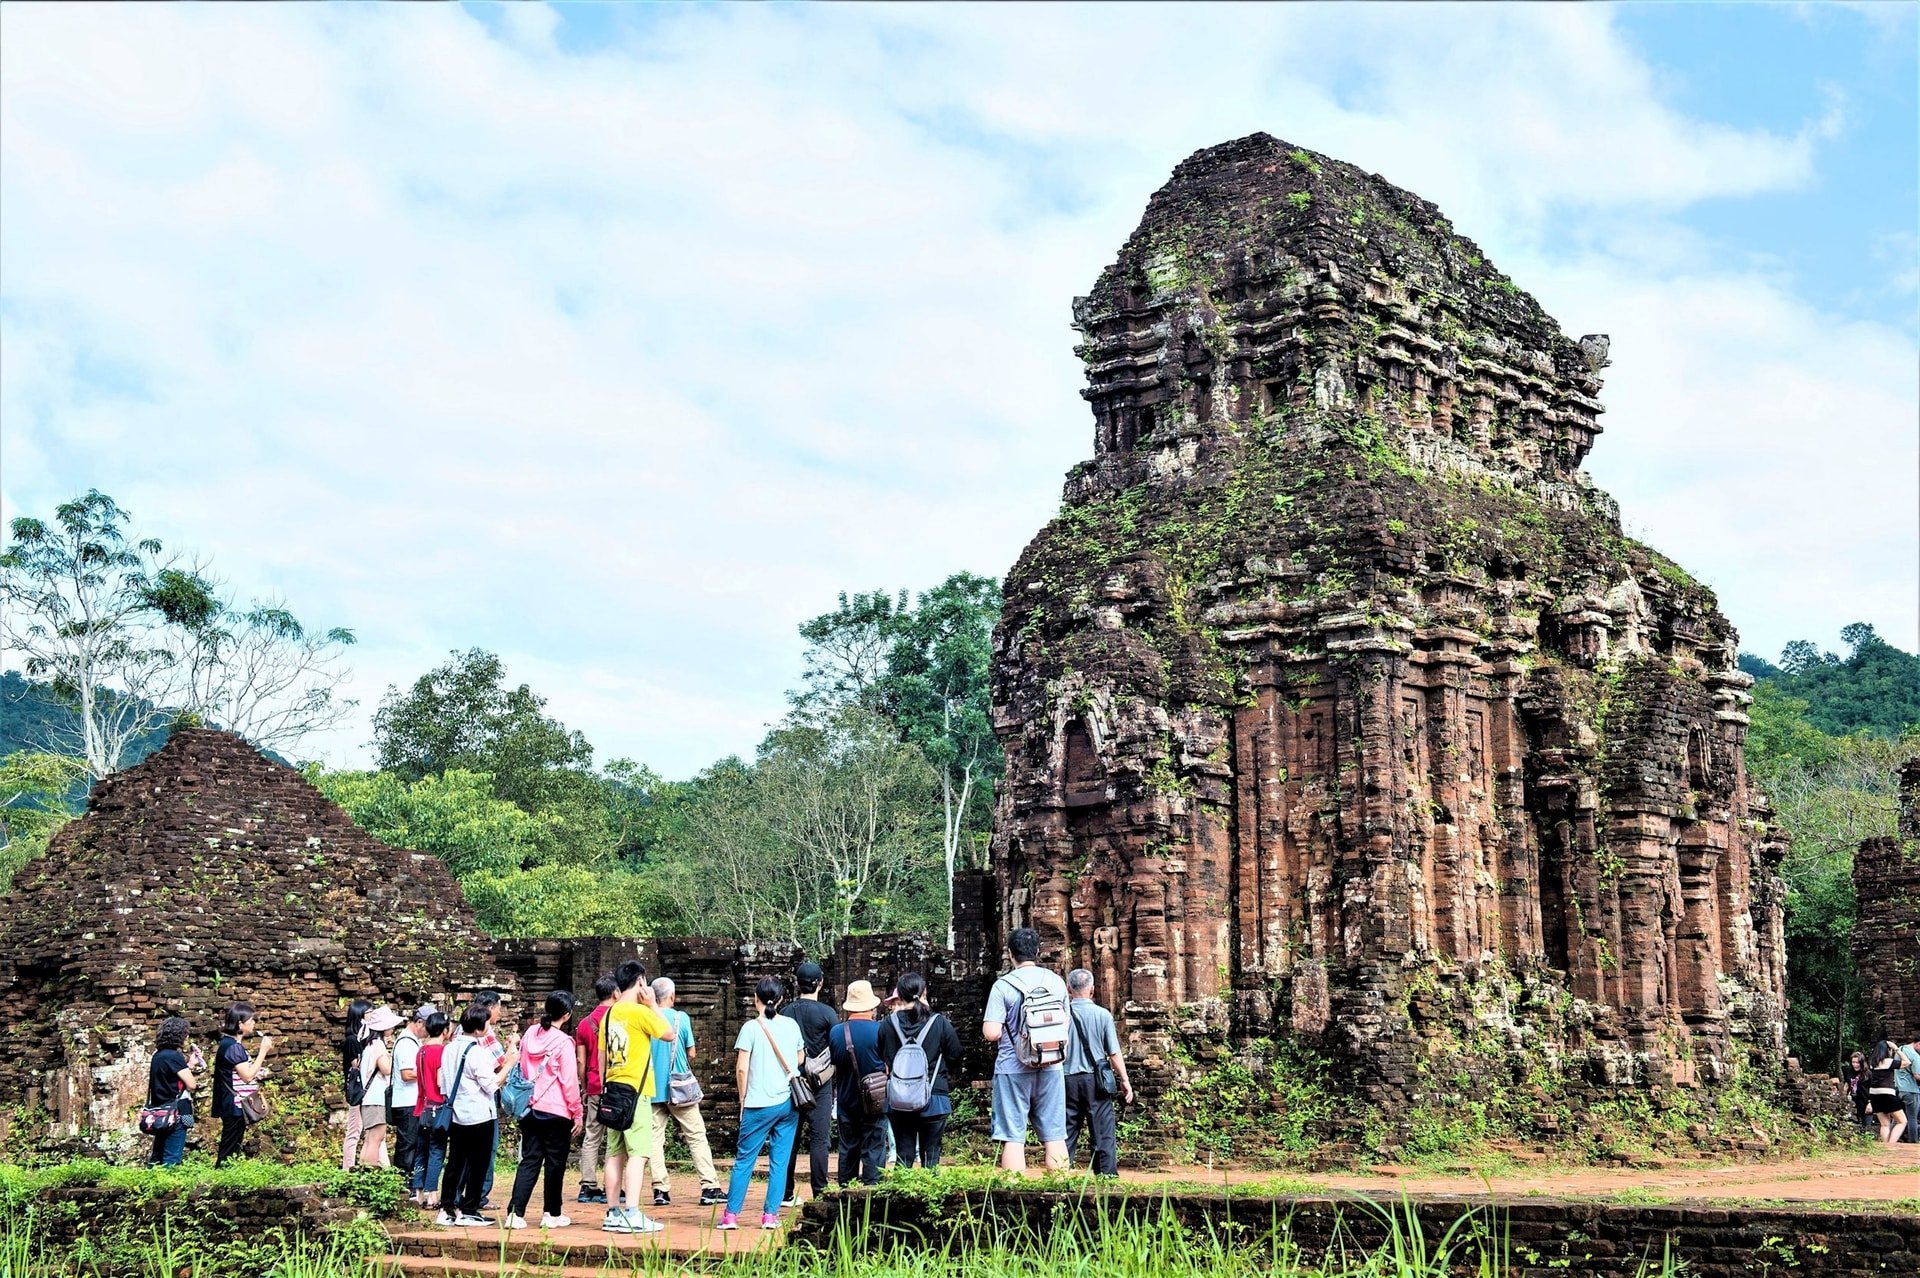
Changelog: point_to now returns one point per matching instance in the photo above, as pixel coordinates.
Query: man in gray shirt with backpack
(1096, 1075)
(1027, 1016)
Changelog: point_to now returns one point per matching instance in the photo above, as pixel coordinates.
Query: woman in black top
(231, 1065)
(1883, 1058)
(918, 1135)
(170, 1081)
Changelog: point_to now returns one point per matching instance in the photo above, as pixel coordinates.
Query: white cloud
(623, 363)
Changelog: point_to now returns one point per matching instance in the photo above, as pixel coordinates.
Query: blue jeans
(756, 1125)
(169, 1147)
(432, 1159)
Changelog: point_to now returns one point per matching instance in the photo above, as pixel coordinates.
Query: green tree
(34, 797)
(129, 637)
(829, 831)
(925, 669)
(454, 815)
(1829, 793)
(90, 610)
(463, 716)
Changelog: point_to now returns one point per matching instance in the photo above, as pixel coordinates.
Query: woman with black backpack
(921, 1050)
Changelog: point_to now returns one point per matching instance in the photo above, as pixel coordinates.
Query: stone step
(579, 1245)
(443, 1267)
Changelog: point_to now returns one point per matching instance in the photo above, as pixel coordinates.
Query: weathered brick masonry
(206, 874)
(1336, 703)
(1533, 1237)
(1886, 939)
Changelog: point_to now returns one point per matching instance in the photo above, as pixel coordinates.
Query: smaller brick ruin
(1886, 937)
(206, 874)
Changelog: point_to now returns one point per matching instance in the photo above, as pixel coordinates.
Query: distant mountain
(30, 715)
(1875, 688)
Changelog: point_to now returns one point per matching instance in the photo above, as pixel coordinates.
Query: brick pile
(206, 874)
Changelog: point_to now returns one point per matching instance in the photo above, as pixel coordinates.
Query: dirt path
(1871, 1175)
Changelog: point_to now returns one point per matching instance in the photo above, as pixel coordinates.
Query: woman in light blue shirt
(769, 1052)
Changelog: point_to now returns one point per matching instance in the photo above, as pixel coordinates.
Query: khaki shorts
(372, 1116)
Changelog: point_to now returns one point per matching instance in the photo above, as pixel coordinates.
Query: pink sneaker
(729, 1220)
(769, 1220)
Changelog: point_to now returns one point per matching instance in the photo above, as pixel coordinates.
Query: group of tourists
(428, 1093)
(1884, 1082)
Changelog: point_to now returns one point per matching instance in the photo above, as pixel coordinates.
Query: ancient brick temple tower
(1335, 701)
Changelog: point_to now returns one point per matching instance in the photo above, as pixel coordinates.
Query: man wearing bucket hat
(376, 1069)
(856, 1061)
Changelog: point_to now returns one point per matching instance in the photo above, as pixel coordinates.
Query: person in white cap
(403, 1091)
(376, 1068)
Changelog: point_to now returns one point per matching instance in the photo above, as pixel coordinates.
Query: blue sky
(618, 339)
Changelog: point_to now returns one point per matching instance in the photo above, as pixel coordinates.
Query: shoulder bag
(797, 1086)
(873, 1087)
(619, 1102)
(683, 1087)
(1105, 1085)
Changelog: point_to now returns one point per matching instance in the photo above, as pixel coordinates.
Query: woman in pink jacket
(546, 1133)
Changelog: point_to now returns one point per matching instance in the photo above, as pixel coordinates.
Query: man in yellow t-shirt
(626, 1053)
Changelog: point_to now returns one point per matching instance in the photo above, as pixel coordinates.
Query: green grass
(1113, 1247)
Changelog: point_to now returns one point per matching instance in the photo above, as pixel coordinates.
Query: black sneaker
(662, 1198)
(591, 1194)
(712, 1196)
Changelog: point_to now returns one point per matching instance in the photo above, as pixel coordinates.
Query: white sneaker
(641, 1223)
(617, 1222)
(444, 1218)
(554, 1222)
(516, 1222)
(466, 1221)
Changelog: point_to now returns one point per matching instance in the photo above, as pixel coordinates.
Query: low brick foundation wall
(222, 1230)
(1536, 1237)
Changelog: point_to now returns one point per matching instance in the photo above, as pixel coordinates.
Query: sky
(618, 339)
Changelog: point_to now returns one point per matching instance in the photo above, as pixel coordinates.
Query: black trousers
(818, 1120)
(469, 1150)
(1095, 1113)
(916, 1136)
(233, 1130)
(863, 1145)
(544, 1142)
(408, 1148)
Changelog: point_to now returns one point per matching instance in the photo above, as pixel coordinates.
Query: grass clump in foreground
(1104, 1243)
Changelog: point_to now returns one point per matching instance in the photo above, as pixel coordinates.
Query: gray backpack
(909, 1085)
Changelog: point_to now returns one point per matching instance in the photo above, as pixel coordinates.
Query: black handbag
(619, 1102)
(156, 1120)
(1105, 1084)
